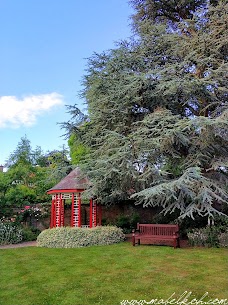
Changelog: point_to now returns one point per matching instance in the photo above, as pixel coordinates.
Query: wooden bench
(156, 233)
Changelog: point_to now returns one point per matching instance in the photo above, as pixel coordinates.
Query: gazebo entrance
(71, 188)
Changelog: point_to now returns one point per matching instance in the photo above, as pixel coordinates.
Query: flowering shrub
(9, 234)
(67, 237)
(29, 211)
(209, 237)
(198, 237)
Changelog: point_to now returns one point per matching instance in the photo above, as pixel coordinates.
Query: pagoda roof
(73, 182)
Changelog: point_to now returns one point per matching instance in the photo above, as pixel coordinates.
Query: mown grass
(109, 274)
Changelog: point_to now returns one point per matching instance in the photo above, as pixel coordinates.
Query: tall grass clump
(68, 237)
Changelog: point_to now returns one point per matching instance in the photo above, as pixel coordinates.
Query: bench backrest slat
(157, 229)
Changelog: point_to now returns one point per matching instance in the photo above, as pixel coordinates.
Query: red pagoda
(71, 188)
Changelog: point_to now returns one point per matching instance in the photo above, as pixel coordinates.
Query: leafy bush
(124, 223)
(9, 234)
(223, 239)
(127, 223)
(30, 233)
(221, 222)
(67, 237)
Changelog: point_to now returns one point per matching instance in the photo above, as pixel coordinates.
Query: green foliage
(161, 11)
(30, 233)
(29, 176)
(78, 151)
(10, 233)
(21, 195)
(221, 222)
(22, 154)
(223, 239)
(57, 158)
(5, 183)
(67, 237)
(22, 173)
(127, 223)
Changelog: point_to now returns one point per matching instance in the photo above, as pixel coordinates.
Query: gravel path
(21, 245)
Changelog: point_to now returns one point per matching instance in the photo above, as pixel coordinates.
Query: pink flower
(27, 207)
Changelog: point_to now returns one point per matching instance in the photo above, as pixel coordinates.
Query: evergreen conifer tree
(157, 125)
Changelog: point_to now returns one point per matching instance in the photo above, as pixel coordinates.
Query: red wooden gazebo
(70, 188)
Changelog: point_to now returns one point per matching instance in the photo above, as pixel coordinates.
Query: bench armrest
(176, 234)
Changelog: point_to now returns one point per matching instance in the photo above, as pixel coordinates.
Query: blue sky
(44, 46)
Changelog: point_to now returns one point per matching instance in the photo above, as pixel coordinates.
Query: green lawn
(109, 274)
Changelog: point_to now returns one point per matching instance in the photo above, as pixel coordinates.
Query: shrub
(124, 223)
(197, 237)
(221, 222)
(9, 234)
(127, 223)
(223, 239)
(208, 236)
(30, 233)
(67, 237)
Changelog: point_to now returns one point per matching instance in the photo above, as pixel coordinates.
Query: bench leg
(137, 241)
(176, 243)
(133, 240)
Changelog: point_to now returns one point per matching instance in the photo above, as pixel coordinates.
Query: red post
(62, 212)
(79, 209)
(52, 213)
(91, 213)
(99, 214)
(72, 211)
(58, 210)
(95, 214)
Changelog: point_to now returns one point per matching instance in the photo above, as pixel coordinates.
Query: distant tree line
(30, 173)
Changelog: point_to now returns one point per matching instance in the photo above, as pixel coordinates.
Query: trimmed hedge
(67, 237)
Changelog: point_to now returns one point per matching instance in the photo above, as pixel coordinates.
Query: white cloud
(16, 112)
